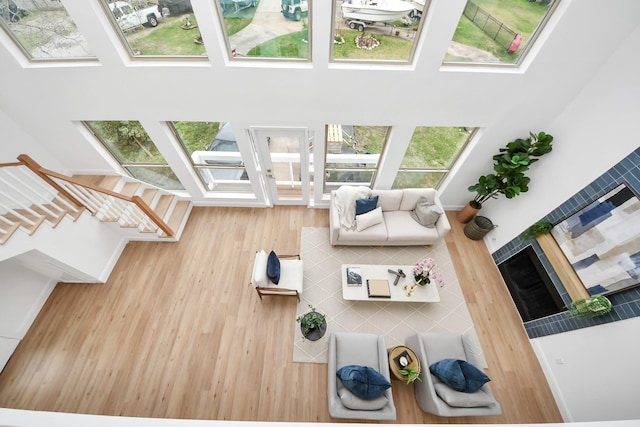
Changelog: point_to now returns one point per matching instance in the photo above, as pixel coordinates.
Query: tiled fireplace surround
(626, 304)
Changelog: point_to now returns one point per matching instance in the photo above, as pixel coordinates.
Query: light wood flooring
(177, 332)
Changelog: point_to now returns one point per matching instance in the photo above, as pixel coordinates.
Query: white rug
(396, 321)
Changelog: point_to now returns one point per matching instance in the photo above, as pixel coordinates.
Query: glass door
(282, 157)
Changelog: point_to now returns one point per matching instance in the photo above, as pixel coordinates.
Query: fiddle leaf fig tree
(510, 165)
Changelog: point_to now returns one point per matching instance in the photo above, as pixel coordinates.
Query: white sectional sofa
(397, 228)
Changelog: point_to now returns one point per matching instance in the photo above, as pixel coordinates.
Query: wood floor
(177, 332)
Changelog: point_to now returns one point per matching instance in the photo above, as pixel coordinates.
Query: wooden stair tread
(177, 216)
(163, 204)
(53, 216)
(8, 231)
(129, 188)
(148, 194)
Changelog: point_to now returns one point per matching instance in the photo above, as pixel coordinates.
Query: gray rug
(396, 321)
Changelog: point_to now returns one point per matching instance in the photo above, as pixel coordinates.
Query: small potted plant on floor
(313, 325)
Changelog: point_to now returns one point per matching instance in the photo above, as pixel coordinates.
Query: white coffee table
(427, 293)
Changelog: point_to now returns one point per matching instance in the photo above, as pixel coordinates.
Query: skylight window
(498, 31)
(43, 32)
(377, 30)
(255, 29)
(166, 29)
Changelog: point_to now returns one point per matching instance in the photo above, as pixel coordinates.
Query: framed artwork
(602, 241)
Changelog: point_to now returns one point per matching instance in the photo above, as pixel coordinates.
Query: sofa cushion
(273, 267)
(426, 213)
(369, 219)
(402, 228)
(388, 200)
(352, 401)
(459, 374)
(463, 400)
(366, 205)
(363, 381)
(374, 234)
(410, 197)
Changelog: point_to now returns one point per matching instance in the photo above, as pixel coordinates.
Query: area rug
(394, 320)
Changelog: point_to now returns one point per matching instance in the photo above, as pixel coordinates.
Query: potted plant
(593, 306)
(508, 179)
(539, 228)
(313, 325)
(411, 373)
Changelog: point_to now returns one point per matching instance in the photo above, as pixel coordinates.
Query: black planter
(316, 333)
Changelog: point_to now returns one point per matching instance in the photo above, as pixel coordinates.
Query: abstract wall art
(602, 241)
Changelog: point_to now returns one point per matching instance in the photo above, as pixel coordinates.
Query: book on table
(354, 276)
(378, 288)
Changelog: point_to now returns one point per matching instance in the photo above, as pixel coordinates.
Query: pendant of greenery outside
(593, 306)
(313, 325)
(509, 166)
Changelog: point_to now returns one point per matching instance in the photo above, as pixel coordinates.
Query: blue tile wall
(626, 304)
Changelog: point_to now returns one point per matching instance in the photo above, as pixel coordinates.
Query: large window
(213, 150)
(162, 28)
(130, 145)
(498, 31)
(430, 155)
(274, 29)
(353, 154)
(377, 30)
(43, 30)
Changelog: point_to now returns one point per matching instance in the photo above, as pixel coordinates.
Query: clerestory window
(131, 146)
(161, 29)
(430, 155)
(498, 31)
(260, 29)
(43, 31)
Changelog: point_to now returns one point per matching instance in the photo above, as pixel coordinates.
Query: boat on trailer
(370, 11)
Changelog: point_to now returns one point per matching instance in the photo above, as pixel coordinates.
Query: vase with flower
(425, 271)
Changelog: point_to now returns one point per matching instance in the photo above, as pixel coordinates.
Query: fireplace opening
(530, 286)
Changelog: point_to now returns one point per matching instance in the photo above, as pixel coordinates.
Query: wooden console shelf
(561, 265)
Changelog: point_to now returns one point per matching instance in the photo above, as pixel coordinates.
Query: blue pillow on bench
(273, 268)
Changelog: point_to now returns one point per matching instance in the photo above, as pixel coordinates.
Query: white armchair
(291, 274)
(350, 348)
(432, 347)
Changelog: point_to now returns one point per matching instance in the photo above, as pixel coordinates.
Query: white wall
(22, 294)
(594, 372)
(593, 132)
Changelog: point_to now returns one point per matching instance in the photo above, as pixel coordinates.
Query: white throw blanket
(345, 202)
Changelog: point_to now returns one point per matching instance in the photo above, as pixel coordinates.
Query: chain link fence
(495, 29)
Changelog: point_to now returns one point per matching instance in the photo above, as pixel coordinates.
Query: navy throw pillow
(363, 381)
(460, 375)
(366, 205)
(273, 268)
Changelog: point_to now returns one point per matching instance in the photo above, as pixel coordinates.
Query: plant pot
(469, 211)
(478, 227)
(315, 334)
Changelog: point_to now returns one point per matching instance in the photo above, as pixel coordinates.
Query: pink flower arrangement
(424, 272)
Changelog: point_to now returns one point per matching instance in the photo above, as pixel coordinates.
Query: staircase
(32, 197)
